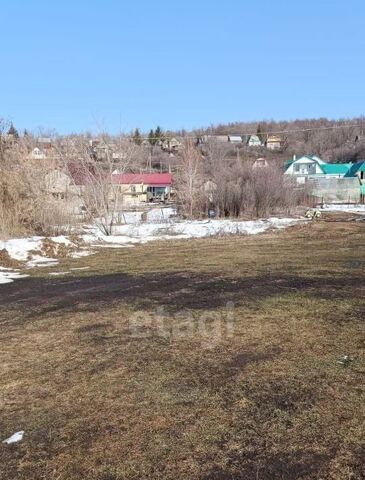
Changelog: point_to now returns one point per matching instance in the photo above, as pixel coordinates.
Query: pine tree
(13, 131)
(158, 134)
(137, 137)
(151, 137)
(259, 133)
(25, 133)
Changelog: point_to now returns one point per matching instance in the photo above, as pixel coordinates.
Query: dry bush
(240, 189)
(6, 260)
(25, 204)
(53, 249)
(189, 180)
(92, 176)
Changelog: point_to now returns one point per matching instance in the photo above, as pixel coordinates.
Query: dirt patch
(241, 360)
(174, 292)
(280, 466)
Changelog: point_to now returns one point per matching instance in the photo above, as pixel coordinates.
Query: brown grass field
(129, 370)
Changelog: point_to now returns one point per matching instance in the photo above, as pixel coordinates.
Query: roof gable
(356, 168)
(305, 159)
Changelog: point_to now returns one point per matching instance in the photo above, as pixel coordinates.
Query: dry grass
(269, 403)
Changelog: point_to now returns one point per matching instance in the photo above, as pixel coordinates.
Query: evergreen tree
(260, 134)
(137, 137)
(13, 131)
(26, 134)
(151, 137)
(158, 134)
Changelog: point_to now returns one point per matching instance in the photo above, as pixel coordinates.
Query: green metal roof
(355, 168)
(336, 168)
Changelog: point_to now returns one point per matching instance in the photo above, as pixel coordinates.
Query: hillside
(340, 140)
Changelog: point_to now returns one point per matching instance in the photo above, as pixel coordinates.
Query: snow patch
(343, 208)
(16, 437)
(57, 274)
(10, 275)
(128, 235)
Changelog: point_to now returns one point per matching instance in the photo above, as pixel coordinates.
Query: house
(212, 138)
(143, 187)
(254, 141)
(331, 182)
(44, 143)
(235, 138)
(311, 166)
(273, 142)
(260, 163)
(304, 167)
(61, 187)
(358, 170)
(37, 154)
(57, 183)
(171, 145)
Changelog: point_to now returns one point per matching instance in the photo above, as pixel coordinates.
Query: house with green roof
(311, 166)
(329, 181)
(358, 170)
(254, 141)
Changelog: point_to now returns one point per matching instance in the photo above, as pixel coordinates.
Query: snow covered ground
(35, 251)
(344, 208)
(155, 215)
(8, 275)
(30, 252)
(147, 232)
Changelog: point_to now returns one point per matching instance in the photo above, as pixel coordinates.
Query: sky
(109, 65)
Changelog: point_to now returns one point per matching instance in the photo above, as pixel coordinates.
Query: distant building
(254, 141)
(212, 138)
(44, 143)
(235, 138)
(260, 163)
(37, 154)
(171, 145)
(274, 142)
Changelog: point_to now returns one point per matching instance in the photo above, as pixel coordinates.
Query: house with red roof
(143, 187)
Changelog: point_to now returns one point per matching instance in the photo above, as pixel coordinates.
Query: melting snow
(56, 274)
(146, 232)
(10, 276)
(343, 208)
(29, 250)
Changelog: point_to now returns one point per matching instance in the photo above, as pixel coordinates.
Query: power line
(267, 133)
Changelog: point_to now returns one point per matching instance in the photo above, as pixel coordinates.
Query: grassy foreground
(205, 359)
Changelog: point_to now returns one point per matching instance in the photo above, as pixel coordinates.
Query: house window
(156, 191)
(133, 188)
(311, 169)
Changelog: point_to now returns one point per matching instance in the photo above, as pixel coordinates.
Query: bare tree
(96, 176)
(189, 179)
